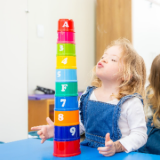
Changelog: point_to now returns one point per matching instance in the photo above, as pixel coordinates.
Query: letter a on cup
(65, 24)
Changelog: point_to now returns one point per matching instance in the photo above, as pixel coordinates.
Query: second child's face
(109, 66)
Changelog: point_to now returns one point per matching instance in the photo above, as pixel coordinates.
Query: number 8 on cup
(60, 117)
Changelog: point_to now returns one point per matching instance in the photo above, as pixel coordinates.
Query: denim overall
(153, 143)
(100, 118)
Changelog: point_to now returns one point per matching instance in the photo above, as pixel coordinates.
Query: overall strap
(125, 98)
(83, 103)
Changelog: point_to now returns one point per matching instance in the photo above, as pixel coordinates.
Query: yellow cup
(66, 62)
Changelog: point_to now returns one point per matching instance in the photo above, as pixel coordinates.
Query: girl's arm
(119, 147)
(137, 126)
(111, 147)
(45, 131)
(82, 129)
(135, 120)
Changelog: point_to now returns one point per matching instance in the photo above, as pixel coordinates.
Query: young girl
(111, 110)
(152, 110)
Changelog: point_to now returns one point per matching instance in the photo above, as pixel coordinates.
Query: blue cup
(66, 75)
(66, 103)
(66, 133)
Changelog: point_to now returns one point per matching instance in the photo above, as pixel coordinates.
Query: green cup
(66, 89)
(66, 49)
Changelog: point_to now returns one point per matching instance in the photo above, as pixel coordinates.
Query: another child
(152, 110)
(111, 110)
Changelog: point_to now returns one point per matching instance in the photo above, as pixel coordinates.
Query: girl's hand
(45, 131)
(109, 149)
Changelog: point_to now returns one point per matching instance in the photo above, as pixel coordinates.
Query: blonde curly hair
(153, 96)
(134, 70)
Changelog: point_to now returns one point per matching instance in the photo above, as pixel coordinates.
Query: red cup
(66, 25)
(66, 148)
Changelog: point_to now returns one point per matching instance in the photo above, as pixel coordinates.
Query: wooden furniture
(113, 21)
(38, 111)
(40, 107)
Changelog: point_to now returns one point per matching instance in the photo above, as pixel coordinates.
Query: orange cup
(66, 118)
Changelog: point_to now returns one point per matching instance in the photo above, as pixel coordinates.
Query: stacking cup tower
(66, 113)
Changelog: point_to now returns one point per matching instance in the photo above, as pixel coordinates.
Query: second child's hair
(134, 70)
(154, 88)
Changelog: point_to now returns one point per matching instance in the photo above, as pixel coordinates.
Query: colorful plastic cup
(66, 49)
(65, 25)
(63, 89)
(66, 149)
(66, 133)
(66, 118)
(66, 37)
(66, 75)
(66, 103)
(66, 62)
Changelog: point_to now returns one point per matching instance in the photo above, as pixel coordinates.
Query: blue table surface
(32, 149)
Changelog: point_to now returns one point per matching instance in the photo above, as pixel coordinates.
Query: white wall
(146, 30)
(13, 70)
(42, 50)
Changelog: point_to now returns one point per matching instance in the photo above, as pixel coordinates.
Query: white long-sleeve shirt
(131, 123)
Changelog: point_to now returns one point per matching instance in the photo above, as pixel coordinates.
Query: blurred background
(28, 36)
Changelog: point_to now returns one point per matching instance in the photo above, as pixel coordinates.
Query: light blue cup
(66, 75)
(66, 103)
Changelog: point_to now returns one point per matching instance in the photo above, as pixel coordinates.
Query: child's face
(109, 66)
